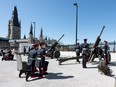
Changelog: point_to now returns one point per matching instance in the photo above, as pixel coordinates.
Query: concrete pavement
(69, 74)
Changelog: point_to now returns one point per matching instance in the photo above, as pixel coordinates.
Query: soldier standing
(105, 51)
(78, 50)
(85, 49)
(24, 50)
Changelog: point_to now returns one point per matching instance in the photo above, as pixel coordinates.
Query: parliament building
(14, 33)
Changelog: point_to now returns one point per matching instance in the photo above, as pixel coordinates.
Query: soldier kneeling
(42, 54)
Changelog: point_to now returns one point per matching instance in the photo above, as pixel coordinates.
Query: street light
(34, 31)
(75, 4)
(114, 46)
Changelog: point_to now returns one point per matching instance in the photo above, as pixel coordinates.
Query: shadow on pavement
(92, 67)
(112, 63)
(95, 62)
(9, 60)
(57, 76)
(52, 76)
(112, 75)
(69, 63)
(14, 60)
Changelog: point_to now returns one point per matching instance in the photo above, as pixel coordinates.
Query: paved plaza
(69, 74)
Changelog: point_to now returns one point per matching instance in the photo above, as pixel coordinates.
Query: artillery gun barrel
(92, 54)
(102, 31)
(98, 38)
(60, 38)
(66, 59)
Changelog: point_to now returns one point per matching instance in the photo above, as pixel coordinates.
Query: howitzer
(52, 52)
(92, 53)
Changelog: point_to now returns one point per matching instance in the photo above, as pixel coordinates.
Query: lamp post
(75, 4)
(34, 31)
(114, 46)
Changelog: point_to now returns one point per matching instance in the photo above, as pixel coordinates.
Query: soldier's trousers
(84, 60)
(33, 66)
(106, 59)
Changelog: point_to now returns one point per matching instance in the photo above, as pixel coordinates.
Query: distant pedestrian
(2, 53)
(29, 49)
(77, 50)
(24, 50)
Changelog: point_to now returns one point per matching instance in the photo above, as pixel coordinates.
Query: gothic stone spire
(14, 18)
(31, 30)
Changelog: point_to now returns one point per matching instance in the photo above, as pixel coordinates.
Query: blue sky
(57, 17)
